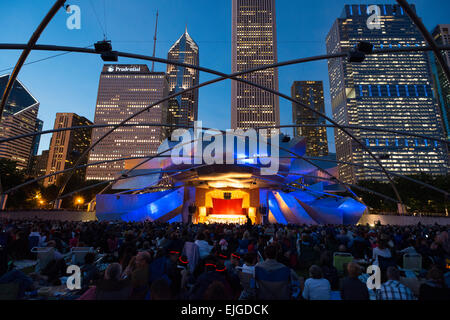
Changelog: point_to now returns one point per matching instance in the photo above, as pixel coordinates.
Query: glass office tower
(37, 138)
(388, 91)
(441, 35)
(254, 43)
(184, 108)
(19, 117)
(123, 91)
(310, 93)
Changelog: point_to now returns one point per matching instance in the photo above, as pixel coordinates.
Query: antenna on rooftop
(154, 41)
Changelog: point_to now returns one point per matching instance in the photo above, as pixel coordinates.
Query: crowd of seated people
(158, 261)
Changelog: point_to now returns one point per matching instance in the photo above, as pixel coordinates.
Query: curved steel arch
(426, 185)
(445, 193)
(38, 133)
(146, 158)
(26, 51)
(59, 3)
(245, 81)
(357, 187)
(400, 133)
(234, 77)
(220, 132)
(68, 170)
(296, 156)
(176, 172)
(85, 50)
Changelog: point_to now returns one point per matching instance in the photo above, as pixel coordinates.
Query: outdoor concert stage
(161, 190)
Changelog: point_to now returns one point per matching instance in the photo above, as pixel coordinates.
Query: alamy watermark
(74, 280)
(374, 280)
(74, 20)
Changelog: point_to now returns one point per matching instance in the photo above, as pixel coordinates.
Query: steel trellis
(58, 3)
(85, 50)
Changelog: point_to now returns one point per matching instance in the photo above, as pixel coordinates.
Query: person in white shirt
(36, 233)
(316, 287)
(203, 246)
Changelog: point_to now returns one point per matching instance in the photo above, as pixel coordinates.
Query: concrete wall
(403, 220)
(50, 215)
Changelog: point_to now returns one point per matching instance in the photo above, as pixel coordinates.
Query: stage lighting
(356, 56)
(103, 46)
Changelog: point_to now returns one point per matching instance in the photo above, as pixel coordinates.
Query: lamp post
(79, 201)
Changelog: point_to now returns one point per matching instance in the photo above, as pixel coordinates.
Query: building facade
(183, 110)
(441, 35)
(389, 91)
(19, 117)
(310, 93)
(39, 164)
(67, 146)
(123, 91)
(36, 141)
(254, 44)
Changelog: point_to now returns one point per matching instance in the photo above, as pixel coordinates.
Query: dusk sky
(69, 83)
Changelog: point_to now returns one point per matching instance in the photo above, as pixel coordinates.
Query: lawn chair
(44, 256)
(248, 283)
(78, 254)
(340, 259)
(273, 285)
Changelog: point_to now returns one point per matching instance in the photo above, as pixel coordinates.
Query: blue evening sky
(69, 83)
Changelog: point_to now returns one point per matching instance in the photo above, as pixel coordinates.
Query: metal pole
(34, 38)
(352, 127)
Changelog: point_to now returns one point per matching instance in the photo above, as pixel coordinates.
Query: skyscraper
(387, 91)
(254, 43)
(123, 91)
(19, 117)
(37, 138)
(184, 108)
(39, 164)
(310, 93)
(441, 35)
(67, 146)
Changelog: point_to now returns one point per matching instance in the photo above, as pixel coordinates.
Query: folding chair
(44, 256)
(248, 283)
(340, 259)
(78, 254)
